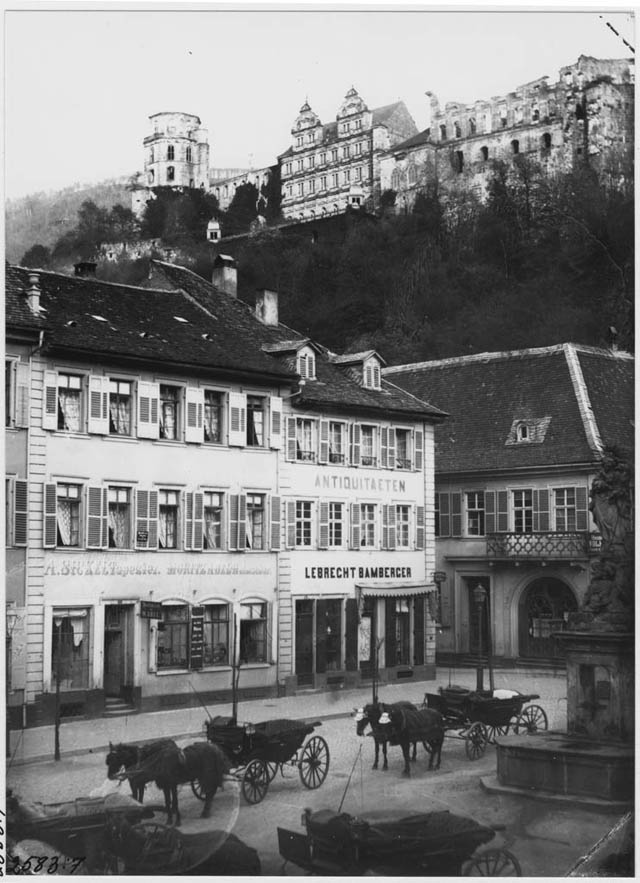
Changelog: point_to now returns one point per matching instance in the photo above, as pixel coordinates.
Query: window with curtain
(69, 406)
(402, 527)
(119, 518)
(255, 421)
(336, 442)
(213, 413)
(213, 509)
(255, 533)
(403, 449)
(120, 407)
(368, 525)
(168, 519)
(253, 632)
(173, 637)
(216, 634)
(368, 445)
(70, 650)
(169, 402)
(68, 514)
(304, 439)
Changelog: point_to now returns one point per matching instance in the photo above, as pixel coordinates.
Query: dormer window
(306, 366)
(531, 430)
(372, 376)
(522, 432)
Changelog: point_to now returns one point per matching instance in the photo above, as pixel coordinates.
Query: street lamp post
(480, 598)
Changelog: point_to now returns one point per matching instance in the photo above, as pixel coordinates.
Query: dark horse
(416, 724)
(128, 756)
(170, 766)
(370, 714)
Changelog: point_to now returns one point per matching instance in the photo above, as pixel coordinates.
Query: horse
(370, 714)
(407, 725)
(128, 756)
(172, 766)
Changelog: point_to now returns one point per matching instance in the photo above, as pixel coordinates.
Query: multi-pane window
(336, 524)
(336, 442)
(119, 518)
(323, 158)
(169, 411)
(213, 416)
(312, 161)
(301, 188)
(303, 523)
(358, 148)
(334, 179)
(253, 632)
(368, 525)
(334, 155)
(216, 634)
(475, 513)
(188, 154)
(213, 511)
(403, 449)
(68, 515)
(255, 421)
(359, 174)
(173, 636)
(565, 508)
(70, 650)
(323, 182)
(120, 407)
(305, 437)
(345, 152)
(368, 446)
(312, 186)
(402, 527)
(170, 152)
(333, 634)
(168, 519)
(403, 632)
(523, 511)
(69, 402)
(347, 176)
(255, 534)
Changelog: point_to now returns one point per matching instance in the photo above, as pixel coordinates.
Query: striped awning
(394, 590)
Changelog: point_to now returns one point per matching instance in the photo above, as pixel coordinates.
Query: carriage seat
(221, 721)
(332, 837)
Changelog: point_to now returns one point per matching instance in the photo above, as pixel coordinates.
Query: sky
(81, 82)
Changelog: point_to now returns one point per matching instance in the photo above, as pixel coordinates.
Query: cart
(479, 716)
(258, 751)
(394, 843)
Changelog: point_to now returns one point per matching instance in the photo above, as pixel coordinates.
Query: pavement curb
(492, 786)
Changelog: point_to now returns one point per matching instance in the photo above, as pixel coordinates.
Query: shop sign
(151, 610)
(439, 576)
(196, 643)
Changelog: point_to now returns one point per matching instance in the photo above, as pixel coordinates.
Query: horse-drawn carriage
(479, 716)
(394, 844)
(257, 751)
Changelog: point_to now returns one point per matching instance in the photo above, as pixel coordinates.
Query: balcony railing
(542, 545)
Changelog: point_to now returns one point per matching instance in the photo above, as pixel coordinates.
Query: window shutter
(95, 499)
(233, 522)
(355, 444)
(321, 636)
(418, 448)
(391, 451)
(456, 514)
(291, 438)
(503, 511)
(323, 526)
(148, 410)
(194, 408)
(582, 509)
(275, 523)
(291, 524)
(418, 630)
(384, 446)
(355, 525)
(188, 520)
(393, 514)
(275, 436)
(20, 511)
(237, 419)
(23, 379)
(146, 519)
(50, 404)
(445, 518)
(242, 522)
(490, 511)
(153, 520)
(50, 536)
(194, 503)
(541, 509)
(323, 453)
(420, 537)
(390, 632)
(271, 610)
(385, 526)
(98, 420)
(351, 635)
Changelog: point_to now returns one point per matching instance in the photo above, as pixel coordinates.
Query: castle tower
(176, 151)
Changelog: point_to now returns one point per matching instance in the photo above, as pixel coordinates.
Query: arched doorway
(544, 609)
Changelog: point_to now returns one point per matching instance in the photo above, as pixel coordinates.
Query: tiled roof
(17, 312)
(414, 141)
(382, 114)
(485, 393)
(285, 346)
(350, 358)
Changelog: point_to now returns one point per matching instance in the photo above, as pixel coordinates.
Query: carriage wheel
(493, 731)
(493, 863)
(255, 781)
(162, 847)
(313, 765)
(532, 719)
(198, 790)
(272, 769)
(476, 741)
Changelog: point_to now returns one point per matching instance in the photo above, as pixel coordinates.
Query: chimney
(33, 293)
(267, 306)
(85, 269)
(225, 275)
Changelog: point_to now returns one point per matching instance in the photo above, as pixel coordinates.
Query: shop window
(403, 534)
(255, 421)
(255, 530)
(213, 520)
(523, 511)
(368, 525)
(403, 633)
(169, 412)
(216, 634)
(70, 650)
(333, 634)
(119, 518)
(336, 525)
(475, 513)
(120, 407)
(68, 515)
(253, 632)
(303, 523)
(168, 504)
(69, 402)
(368, 445)
(403, 448)
(213, 416)
(173, 637)
(336, 442)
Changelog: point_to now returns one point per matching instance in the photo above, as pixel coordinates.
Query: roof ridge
(94, 281)
(591, 431)
(417, 398)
